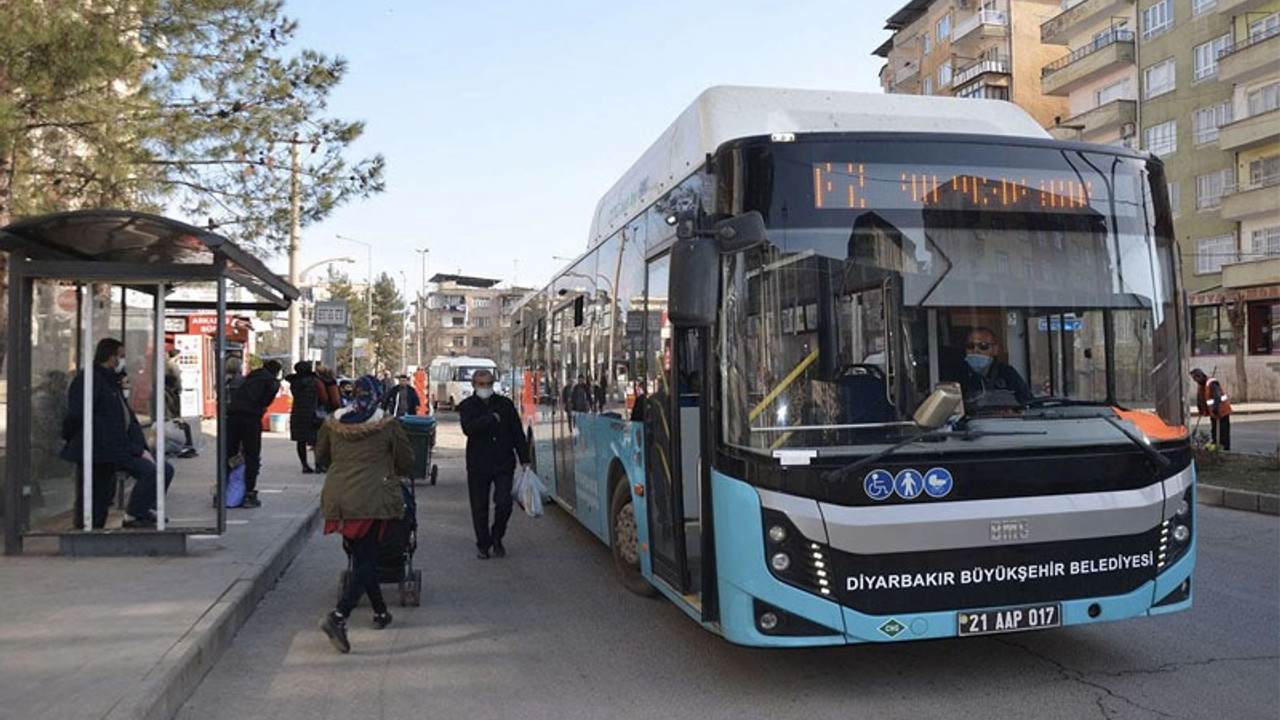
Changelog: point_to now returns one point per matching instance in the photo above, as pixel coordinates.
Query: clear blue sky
(504, 122)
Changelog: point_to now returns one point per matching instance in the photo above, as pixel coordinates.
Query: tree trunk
(6, 215)
(1237, 315)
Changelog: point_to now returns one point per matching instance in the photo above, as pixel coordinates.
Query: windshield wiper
(839, 474)
(1143, 443)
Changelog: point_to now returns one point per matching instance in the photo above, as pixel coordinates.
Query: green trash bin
(421, 430)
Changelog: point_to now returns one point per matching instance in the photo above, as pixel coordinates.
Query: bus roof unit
(725, 113)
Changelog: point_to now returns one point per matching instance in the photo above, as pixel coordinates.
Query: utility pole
(404, 330)
(295, 230)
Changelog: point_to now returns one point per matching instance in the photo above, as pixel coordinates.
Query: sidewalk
(125, 638)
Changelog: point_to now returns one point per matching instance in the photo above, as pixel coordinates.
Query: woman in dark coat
(304, 421)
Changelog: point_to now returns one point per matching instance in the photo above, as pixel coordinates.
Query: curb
(170, 683)
(1238, 499)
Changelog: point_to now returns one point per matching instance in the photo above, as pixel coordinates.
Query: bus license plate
(1013, 619)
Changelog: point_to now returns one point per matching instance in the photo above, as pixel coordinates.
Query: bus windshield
(1033, 276)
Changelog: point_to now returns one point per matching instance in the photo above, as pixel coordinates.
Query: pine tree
(388, 324)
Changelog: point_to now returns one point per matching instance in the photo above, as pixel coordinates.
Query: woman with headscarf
(366, 453)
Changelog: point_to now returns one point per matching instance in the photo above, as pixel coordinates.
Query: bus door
(562, 428)
(672, 440)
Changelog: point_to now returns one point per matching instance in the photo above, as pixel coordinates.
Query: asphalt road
(1258, 434)
(549, 633)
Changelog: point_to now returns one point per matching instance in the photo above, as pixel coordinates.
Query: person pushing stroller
(365, 452)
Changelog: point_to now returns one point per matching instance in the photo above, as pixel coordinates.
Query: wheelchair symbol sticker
(908, 484)
(937, 482)
(878, 484)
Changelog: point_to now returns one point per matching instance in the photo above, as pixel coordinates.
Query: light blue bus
(872, 368)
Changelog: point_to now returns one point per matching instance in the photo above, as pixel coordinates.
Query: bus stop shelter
(78, 277)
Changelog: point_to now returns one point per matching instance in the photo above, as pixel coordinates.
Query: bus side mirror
(740, 232)
(694, 283)
(938, 408)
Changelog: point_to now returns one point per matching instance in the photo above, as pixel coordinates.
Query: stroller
(395, 559)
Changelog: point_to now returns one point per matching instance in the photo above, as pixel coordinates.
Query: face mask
(126, 394)
(120, 365)
(484, 393)
(979, 363)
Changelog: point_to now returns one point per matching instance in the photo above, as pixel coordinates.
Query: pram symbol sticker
(878, 484)
(938, 482)
(908, 484)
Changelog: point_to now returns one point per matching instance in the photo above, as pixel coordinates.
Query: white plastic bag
(527, 491)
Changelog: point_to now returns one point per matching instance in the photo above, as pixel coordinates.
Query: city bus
(790, 440)
(449, 378)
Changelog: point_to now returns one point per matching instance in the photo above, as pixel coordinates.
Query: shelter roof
(153, 248)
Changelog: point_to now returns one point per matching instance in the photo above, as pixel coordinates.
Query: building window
(1214, 252)
(1205, 57)
(944, 75)
(928, 86)
(484, 322)
(1211, 331)
(1157, 19)
(1162, 139)
(1200, 6)
(1206, 121)
(480, 302)
(1266, 242)
(1158, 79)
(1263, 328)
(927, 43)
(1264, 99)
(1002, 262)
(1264, 28)
(1122, 90)
(1264, 172)
(1210, 188)
(944, 28)
(1175, 198)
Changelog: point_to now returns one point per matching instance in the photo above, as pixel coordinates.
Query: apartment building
(1097, 73)
(1210, 107)
(467, 315)
(975, 49)
(1196, 82)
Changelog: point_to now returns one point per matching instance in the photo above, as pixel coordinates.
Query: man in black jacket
(249, 401)
(495, 439)
(118, 442)
(402, 399)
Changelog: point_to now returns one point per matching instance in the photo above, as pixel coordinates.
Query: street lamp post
(368, 289)
(422, 301)
(404, 327)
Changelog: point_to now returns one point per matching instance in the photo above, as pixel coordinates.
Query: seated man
(984, 374)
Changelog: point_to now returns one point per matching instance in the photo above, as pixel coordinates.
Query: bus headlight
(1181, 533)
(768, 621)
(780, 562)
(777, 533)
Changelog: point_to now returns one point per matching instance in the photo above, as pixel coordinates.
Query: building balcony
(979, 27)
(907, 76)
(1116, 117)
(1062, 28)
(1249, 59)
(1106, 53)
(1252, 200)
(972, 71)
(1238, 7)
(1250, 132)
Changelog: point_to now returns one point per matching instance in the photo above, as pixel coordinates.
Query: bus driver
(984, 372)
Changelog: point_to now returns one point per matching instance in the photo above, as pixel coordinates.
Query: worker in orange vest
(1212, 400)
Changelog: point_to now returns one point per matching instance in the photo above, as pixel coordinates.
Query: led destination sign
(862, 186)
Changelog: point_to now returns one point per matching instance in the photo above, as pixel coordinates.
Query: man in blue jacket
(495, 439)
(118, 442)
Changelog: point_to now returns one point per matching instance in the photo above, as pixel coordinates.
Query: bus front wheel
(625, 540)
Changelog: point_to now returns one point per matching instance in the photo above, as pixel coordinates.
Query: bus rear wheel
(625, 540)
